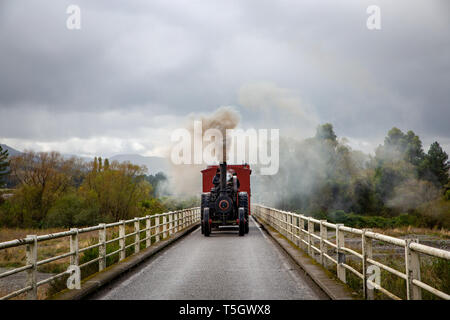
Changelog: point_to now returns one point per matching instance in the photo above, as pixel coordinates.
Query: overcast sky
(136, 69)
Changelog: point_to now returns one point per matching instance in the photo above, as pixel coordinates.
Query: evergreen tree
(106, 164)
(435, 166)
(398, 145)
(4, 166)
(95, 165)
(326, 132)
(413, 148)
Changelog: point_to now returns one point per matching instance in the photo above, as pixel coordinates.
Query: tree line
(50, 190)
(322, 176)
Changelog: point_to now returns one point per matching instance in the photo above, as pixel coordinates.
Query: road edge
(333, 288)
(100, 279)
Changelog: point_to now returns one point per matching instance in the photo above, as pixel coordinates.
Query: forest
(399, 185)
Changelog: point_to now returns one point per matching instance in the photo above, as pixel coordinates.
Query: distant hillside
(153, 164)
(12, 152)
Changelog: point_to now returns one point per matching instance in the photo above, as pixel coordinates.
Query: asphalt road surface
(223, 266)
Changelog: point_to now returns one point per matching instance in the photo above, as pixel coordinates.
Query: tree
(326, 132)
(106, 165)
(400, 146)
(43, 178)
(95, 165)
(435, 166)
(118, 190)
(155, 181)
(4, 166)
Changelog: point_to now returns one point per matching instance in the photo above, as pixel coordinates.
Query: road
(223, 266)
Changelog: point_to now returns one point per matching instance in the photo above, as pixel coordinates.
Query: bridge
(285, 256)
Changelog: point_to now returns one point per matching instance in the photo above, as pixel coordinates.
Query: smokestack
(223, 166)
(224, 148)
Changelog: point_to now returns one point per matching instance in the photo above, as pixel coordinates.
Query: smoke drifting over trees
(321, 175)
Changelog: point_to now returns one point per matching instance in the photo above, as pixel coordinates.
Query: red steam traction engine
(225, 197)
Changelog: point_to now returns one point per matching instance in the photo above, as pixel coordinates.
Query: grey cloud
(154, 58)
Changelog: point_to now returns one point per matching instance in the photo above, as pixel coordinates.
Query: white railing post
(157, 229)
(137, 238)
(74, 258)
(171, 223)
(280, 222)
(122, 253)
(292, 226)
(190, 217)
(340, 242)
(176, 221)
(102, 247)
(302, 233)
(298, 232)
(323, 247)
(286, 224)
(148, 235)
(367, 253)
(183, 219)
(276, 222)
(310, 238)
(164, 226)
(291, 235)
(412, 266)
(31, 273)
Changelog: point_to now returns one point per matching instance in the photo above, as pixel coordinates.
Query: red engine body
(243, 173)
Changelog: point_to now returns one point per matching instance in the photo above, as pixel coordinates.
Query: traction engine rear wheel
(241, 221)
(205, 223)
(204, 204)
(243, 202)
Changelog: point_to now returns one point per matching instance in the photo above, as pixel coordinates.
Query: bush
(360, 221)
(72, 210)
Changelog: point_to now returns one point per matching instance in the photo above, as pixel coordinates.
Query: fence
(159, 226)
(292, 226)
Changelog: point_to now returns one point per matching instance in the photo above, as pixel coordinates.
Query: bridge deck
(223, 266)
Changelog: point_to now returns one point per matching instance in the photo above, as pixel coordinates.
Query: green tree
(118, 191)
(400, 146)
(42, 178)
(435, 167)
(106, 165)
(326, 132)
(95, 165)
(4, 166)
(413, 149)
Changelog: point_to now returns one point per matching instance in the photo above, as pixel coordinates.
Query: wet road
(223, 266)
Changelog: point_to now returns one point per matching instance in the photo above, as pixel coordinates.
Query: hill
(153, 164)
(12, 152)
